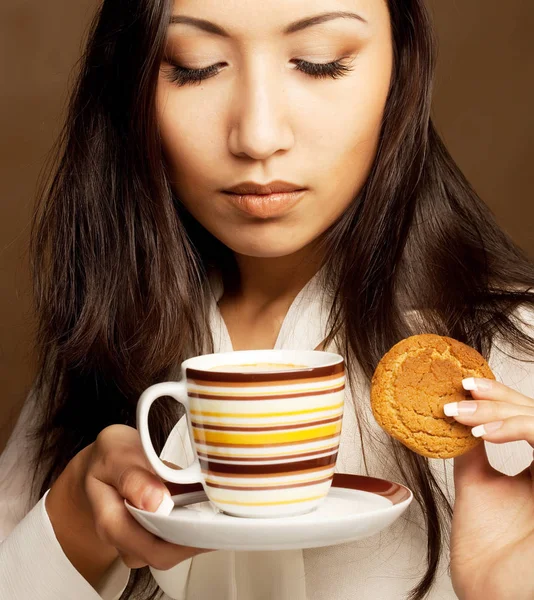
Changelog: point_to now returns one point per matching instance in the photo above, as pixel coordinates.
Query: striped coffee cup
(265, 427)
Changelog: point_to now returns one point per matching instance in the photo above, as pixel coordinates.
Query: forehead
(272, 17)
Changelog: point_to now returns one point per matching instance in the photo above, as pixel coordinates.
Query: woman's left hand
(492, 546)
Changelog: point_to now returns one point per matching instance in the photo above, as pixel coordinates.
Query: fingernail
(152, 499)
(481, 430)
(454, 409)
(472, 384)
(166, 506)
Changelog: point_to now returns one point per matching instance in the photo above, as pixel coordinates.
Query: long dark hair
(120, 268)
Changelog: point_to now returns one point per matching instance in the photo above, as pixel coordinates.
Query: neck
(264, 281)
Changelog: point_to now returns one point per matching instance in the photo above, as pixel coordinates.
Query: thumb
(473, 467)
(119, 461)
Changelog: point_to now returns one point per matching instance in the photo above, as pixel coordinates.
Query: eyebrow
(291, 28)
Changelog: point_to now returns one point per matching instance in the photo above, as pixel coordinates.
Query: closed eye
(183, 76)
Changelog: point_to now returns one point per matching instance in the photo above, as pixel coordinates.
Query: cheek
(343, 155)
(347, 133)
(189, 135)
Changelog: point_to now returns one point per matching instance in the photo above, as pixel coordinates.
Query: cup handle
(178, 391)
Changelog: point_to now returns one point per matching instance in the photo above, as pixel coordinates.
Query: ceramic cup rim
(314, 359)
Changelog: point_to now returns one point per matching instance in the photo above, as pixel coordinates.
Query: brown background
(483, 108)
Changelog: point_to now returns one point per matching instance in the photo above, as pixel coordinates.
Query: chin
(265, 248)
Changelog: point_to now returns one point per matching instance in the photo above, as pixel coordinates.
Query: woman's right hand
(86, 507)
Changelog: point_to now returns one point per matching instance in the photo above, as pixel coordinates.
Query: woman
(149, 248)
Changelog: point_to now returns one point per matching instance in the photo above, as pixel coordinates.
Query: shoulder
(16, 470)
(511, 364)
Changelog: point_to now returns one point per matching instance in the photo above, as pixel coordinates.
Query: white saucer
(356, 507)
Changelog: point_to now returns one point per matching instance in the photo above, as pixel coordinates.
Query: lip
(265, 206)
(257, 189)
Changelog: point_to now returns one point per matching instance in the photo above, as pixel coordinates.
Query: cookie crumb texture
(412, 383)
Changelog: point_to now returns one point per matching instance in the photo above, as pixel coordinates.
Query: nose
(260, 117)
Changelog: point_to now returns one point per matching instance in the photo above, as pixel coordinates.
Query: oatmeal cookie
(412, 383)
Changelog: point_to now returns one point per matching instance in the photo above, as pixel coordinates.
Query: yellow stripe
(275, 423)
(267, 483)
(275, 437)
(231, 393)
(271, 454)
(204, 413)
(220, 501)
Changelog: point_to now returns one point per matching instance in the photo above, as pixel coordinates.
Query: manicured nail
(152, 499)
(481, 430)
(166, 506)
(472, 384)
(454, 409)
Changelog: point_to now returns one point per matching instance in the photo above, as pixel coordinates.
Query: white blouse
(383, 567)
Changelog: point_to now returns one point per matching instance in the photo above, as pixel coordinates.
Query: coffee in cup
(255, 367)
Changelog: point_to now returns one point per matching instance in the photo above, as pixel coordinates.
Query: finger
(479, 412)
(115, 526)
(165, 562)
(131, 561)
(510, 430)
(121, 463)
(494, 390)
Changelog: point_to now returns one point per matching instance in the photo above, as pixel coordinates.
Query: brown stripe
(184, 488)
(282, 396)
(265, 384)
(293, 474)
(267, 377)
(297, 443)
(275, 428)
(284, 457)
(270, 487)
(394, 492)
(301, 465)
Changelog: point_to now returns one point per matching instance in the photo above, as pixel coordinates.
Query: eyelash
(334, 70)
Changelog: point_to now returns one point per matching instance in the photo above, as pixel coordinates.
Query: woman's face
(285, 97)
